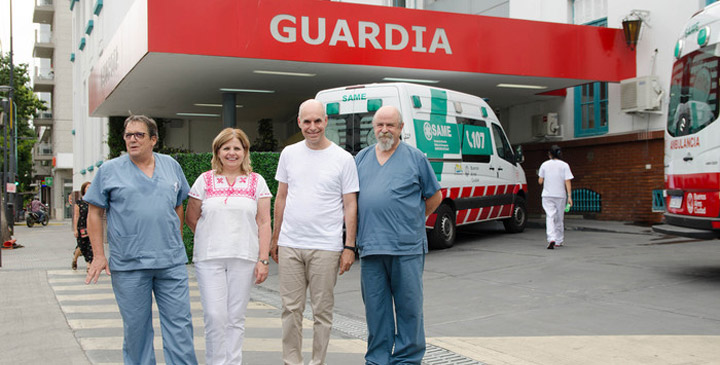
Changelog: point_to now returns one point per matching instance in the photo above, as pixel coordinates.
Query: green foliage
(194, 164)
(27, 105)
(116, 143)
(266, 140)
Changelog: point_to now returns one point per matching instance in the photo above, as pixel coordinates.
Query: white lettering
(342, 33)
(418, 38)
(363, 35)
(475, 139)
(440, 41)
(396, 36)
(289, 31)
(389, 45)
(305, 24)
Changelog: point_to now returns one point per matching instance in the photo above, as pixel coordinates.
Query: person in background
(36, 206)
(555, 176)
(142, 193)
(317, 192)
(229, 212)
(80, 213)
(398, 191)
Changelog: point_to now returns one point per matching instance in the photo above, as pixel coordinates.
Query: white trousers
(224, 292)
(555, 214)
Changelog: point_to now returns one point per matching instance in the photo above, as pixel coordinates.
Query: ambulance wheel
(516, 223)
(443, 233)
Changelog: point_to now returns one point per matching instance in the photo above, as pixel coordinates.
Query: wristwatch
(264, 262)
(351, 248)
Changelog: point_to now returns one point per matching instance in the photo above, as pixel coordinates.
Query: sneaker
(551, 246)
(559, 245)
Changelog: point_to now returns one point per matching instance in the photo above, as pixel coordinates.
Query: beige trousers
(299, 270)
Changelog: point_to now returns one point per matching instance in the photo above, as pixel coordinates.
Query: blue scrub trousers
(385, 278)
(133, 293)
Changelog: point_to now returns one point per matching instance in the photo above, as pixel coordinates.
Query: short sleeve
(262, 190)
(184, 186)
(568, 173)
(197, 190)
(98, 194)
(428, 180)
(350, 182)
(281, 173)
(541, 172)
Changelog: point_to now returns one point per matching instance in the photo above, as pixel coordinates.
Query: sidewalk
(573, 223)
(49, 315)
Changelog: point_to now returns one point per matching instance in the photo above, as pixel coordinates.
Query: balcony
(42, 152)
(44, 48)
(44, 119)
(44, 12)
(43, 82)
(42, 168)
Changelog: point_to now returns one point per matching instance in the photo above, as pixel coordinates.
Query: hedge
(194, 164)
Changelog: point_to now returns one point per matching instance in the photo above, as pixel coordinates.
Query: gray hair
(149, 122)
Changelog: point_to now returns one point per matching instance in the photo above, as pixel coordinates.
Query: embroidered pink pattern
(217, 188)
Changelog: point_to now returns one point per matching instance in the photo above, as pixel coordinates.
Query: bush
(194, 164)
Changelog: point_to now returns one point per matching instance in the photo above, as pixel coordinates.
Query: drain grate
(356, 328)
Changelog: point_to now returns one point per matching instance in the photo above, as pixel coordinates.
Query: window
(708, 2)
(591, 104)
(502, 145)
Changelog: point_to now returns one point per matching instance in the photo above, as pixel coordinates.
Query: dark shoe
(551, 246)
(74, 265)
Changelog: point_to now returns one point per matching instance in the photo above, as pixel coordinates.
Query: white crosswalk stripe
(92, 313)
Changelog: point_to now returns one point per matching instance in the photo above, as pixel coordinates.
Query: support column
(228, 110)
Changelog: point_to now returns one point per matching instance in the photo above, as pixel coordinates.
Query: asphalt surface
(616, 294)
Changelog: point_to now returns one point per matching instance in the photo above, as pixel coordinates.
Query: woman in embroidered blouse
(229, 212)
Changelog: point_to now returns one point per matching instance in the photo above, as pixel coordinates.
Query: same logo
(427, 129)
(689, 203)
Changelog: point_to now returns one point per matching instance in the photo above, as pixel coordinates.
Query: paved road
(494, 298)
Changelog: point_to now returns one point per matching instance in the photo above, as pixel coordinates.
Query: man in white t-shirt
(317, 191)
(555, 176)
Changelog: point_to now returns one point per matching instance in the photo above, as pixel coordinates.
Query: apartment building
(52, 80)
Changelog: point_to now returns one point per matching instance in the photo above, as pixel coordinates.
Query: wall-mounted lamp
(631, 26)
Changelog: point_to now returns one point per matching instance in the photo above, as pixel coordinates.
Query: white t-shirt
(554, 173)
(227, 226)
(317, 181)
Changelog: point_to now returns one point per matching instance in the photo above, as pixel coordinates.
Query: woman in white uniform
(555, 176)
(229, 212)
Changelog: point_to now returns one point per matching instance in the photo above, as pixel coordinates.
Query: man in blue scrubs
(398, 190)
(142, 193)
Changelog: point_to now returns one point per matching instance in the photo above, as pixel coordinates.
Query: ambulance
(478, 170)
(692, 136)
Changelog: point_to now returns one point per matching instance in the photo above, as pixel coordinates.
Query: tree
(27, 105)
(266, 140)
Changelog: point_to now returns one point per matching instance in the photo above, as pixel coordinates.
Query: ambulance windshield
(353, 132)
(694, 92)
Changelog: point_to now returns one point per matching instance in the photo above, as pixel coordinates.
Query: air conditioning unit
(545, 125)
(640, 94)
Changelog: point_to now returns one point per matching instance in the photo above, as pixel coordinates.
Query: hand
(261, 272)
(274, 250)
(98, 264)
(569, 201)
(346, 260)
(75, 233)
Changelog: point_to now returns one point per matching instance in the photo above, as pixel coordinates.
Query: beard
(385, 141)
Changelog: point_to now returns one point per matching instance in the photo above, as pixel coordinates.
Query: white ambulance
(480, 174)
(692, 136)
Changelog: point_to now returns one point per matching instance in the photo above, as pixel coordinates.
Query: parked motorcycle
(34, 217)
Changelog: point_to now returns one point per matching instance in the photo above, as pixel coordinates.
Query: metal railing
(586, 201)
(43, 2)
(658, 201)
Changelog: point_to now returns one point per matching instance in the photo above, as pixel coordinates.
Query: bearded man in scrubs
(142, 193)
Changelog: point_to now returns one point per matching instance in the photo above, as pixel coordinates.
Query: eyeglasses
(137, 135)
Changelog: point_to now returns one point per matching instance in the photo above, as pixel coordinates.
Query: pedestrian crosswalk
(91, 312)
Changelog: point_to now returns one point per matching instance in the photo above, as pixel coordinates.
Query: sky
(23, 30)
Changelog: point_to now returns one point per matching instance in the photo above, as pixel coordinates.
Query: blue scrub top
(391, 202)
(143, 227)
